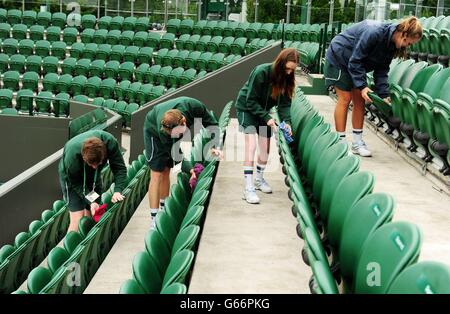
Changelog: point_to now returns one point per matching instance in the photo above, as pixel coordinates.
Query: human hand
(271, 123)
(94, 207)
(217, 152)
(117, 197)
(387, 100)
(364, 93)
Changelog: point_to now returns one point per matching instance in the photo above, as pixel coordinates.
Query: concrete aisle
(418, 200)
(248, 248)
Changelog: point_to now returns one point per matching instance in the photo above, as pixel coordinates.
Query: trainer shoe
(361, 149)
(250, 196)
(263, 186)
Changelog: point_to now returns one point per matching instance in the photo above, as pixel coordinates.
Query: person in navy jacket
(366, 46)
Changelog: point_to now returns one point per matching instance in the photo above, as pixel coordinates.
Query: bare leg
(250, 149)
(154, 188)
(264, 149)
(164, 185)
(75, 219)
(358, 109)
(340, 113)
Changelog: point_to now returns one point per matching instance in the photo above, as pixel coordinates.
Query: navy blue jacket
(365, 47)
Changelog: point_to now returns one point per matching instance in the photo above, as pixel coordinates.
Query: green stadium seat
(11, 80)
(265, 32)
(241, 29)
(121, 90)
(14, 16)
(131, 54)
(191, 43)
(117, 52)
(126, 71)
(126, 38)
(59, 19)
(44, 18)
(143, 95)
(23, 101)
(113, 37)
(140, 39)
(88, 21)
(26, 47)
(98, 101)
(111, 69)
(68, 66)
(163, 75)
(87, 35)
(152, 72)
(216, 61)
(140, 72)
(99, 36)
(96, 68)
(132, 91)
(109, 103)
(153, 40)
(179, 42)
(202, 62)
(6, 96)
(19, 31)
(145, 55)
(30, 80)
(37, 279)
(9, 112)
(5, 30)
(17, 63)
(238, 46)
(34, 64)
(53, 33)
(186, 27)
(77, 50)
(92, 86)
(104, 22)
(43, 105)
(3, 14)
(213, 45)
(103, 52)
(29, 18)
(178, 268)
(219, 29)
(107, 88)
(117, 22)
(167, 41)
(42, 48)
(70, 35)
(59, 49)
(142, 24)
(10, 46)
(82, 67)
(37, 32)
(78, 84)
(50, 64)
(157, 91)
(191, 60)
(146, 273)
(202, 44)
(56, 258)
(230, 29)
(4, 62)
(225, 45)
(179, 59)
(186, 239)
(252, 30)
(198, 27)
(49, 81)
(129, 23)
(173, 26)
(187, 76)
(209, 27)
(174, 77)
(168, 59)
(64, 83)
(61, 104)
(132, 107)
(160, 55)
(131, 286)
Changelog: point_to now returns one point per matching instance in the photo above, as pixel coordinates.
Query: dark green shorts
(251, 124)
(337, 77)
(158, 157)
(75, 202)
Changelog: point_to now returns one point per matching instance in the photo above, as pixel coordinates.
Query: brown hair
(281, 82)
(170, 120)
(93, 151)
(409, 27)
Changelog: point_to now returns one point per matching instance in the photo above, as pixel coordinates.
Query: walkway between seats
(248, 248)
(417, 199)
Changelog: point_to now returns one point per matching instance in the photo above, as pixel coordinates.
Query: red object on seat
(99, 212)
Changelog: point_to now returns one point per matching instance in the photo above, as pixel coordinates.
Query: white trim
(153, 149)
(67, 193)
(329, 78)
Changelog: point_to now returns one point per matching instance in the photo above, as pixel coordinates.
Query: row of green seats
(309, 53)
(302, 32)
(87, 121)
(165, 264)
(207, 61)
(221, 44)
(30, 18)
(126, 38)
(354, 232)
(435, 39)
(31, 247)
(36, 32)
(116, 52)
(91, 244)
(419, 112)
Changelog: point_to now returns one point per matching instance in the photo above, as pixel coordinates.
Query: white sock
(260, 171)
(153, 212)
(341, 136)
(248, 175)
(162, 203)
(357, 135)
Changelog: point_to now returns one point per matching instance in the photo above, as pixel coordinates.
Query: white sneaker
(361, 149)
(250, 196)
(263, 186)
(153, 222)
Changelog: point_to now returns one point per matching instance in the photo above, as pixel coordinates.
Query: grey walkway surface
(248, 248)
(418, 200)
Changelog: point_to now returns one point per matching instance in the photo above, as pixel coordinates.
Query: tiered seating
(347, 238)
(88, 121)
(165, 264)
(31, 247)
(91, 244)
(418, 114)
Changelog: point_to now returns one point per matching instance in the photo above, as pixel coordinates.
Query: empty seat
(43, 101)
(140, 72)
(104, 22)
(70, 35)
(107, 88)
(14, 16)
(44, 18)
(179, 60)
(111, 69)
(145, 55)
(78, 84)
(169, 57)
(49, 82)
(64, 83)
(202, 62)
(117, 52)
(4, 62)
(174, 77)
(225, 45)
(186, 26)
(113, 37)
(100, 36)
(209, 27)
(87, 35)
(121, 90)
(92, 86)
(59, 19)
(238, 46)
(24, 100)
(126, 71)
(61, 104)
(6, 96)
(59, 49)
(142, 24)
(68, 66)
(34, 63)
(213, 45)
(126, 38)
(103, 52)
(42, 48)
(88, 21)
(17, 63)
(216, 61)
(30, 80)
(26, 47)
(19, 31)
(153, 39)
(11, 80)
(117, 22)
(173, 26)
(167, 41)
(90, 51)
(140, 39)
(29, 17)
(37, 32)
(131, 54)
(151, 73)
(82, 67)
(203, 43)
(77, 50)
(132, 91)
(5, 30)
(50, 64)
(191, 60)
(10, 46)
(97, 68)
(129, 23)
(188, 76)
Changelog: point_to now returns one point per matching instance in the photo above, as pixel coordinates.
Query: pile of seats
(84, 251)
(165, 264)
(418, 116)
(349, 239)
(31, 247)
